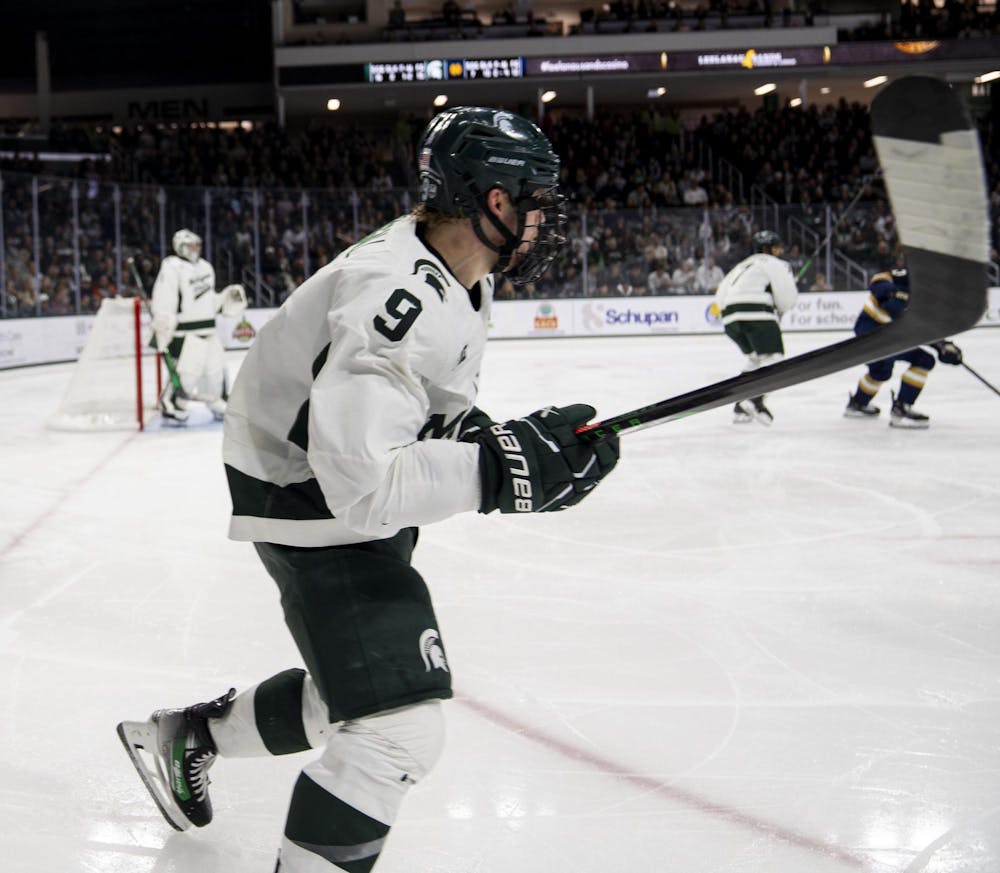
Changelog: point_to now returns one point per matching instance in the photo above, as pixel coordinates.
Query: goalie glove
(538, 464)
(947, 352)
(232, 300)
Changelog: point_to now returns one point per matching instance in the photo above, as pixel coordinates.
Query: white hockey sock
(281, 715)
(344, 803)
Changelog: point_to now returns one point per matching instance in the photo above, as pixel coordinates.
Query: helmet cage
(187, 245)
(534, 255)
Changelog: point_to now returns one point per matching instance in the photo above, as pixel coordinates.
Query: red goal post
(117, 379)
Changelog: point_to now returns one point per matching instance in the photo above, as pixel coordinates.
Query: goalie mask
(187, 245)
(468, 151)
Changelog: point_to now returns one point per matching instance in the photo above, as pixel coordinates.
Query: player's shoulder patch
(430, 273)
(881, 285)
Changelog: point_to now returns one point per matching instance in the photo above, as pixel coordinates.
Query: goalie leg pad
(201, 367)
(191, 364)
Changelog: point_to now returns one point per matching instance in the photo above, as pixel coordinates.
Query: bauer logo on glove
(539, 464)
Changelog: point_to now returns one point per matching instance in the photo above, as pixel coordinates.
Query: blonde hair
(432, 218)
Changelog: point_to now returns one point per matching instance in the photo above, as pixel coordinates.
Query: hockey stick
(933, 171)
(981, 379)
(833, 229)
(168, 358)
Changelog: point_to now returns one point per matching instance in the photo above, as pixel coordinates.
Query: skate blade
(139, 740)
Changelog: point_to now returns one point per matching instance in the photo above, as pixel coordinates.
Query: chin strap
(510, 240)
(543, 248)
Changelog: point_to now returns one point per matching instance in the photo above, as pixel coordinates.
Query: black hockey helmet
(468, 151)
(901, 278)
(765, 240)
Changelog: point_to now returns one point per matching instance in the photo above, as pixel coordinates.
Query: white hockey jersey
(342, 420)
(759, 288)
(184, 297)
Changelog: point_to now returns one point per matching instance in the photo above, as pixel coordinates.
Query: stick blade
(918, 108)
(933, 170)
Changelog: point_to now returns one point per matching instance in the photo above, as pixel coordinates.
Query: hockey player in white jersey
(752, 298)
(184, 304)
(352, 422)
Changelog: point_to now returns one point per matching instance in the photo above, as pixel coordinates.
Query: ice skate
(218, 408)
(752, 410)
(181, 750)
(761, 414)
(903, 415)
(743, 412)
(172, 405)
(855, 409)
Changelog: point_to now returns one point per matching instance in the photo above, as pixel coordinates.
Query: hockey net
(116, 382)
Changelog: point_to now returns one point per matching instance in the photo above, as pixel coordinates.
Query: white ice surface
(750, 651)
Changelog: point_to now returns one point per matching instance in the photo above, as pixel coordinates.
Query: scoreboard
(441, 70)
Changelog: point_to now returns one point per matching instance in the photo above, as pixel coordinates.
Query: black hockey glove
(948, 352)
(538, 464)
(473, 425)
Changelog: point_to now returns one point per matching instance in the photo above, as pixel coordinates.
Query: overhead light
(333, 104)
(874, 83)
(656, 92)
(795, 101)
(824, 90)
(441, 99)
(548, 96)
(987, 77)
(765, 89)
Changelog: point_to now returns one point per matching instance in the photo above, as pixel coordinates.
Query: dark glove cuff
(490, 475)
(475, 422)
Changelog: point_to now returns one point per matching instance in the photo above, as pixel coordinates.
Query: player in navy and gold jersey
(888, 298)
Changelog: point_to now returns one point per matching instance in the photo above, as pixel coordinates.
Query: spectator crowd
(651, 210)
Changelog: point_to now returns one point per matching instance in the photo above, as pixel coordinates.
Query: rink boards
(28, 341)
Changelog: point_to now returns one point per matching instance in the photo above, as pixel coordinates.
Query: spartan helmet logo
(432, 652)
(505, 121)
